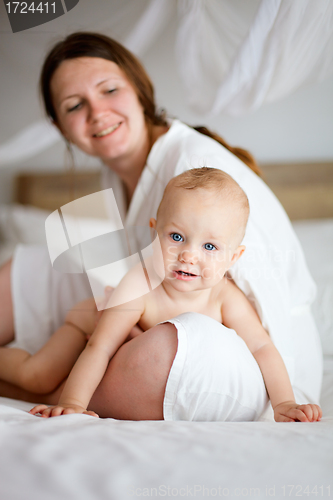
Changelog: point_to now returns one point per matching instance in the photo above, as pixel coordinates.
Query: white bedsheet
(80, 457)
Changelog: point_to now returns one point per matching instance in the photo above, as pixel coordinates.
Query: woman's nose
(97, 110)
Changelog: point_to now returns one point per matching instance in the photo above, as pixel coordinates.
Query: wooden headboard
(304, 189)
(52, 190)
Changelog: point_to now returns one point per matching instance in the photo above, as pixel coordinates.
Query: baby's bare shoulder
(229, 293)
(226, 287)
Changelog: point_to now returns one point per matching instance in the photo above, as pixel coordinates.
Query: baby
(200, 223)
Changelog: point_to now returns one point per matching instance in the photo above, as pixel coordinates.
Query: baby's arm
(110, 334)
(238, 314)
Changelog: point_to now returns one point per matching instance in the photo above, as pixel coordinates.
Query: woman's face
(97, 108)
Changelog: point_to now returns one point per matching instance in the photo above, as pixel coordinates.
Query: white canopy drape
(232, 55)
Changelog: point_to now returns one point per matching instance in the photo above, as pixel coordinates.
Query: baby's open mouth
(182, 273)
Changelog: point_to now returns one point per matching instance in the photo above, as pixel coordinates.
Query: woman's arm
(238, 314)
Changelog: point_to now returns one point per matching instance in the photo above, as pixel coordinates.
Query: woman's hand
(54, 411)
(289, 411)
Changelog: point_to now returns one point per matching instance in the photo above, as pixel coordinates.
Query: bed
(79, 456)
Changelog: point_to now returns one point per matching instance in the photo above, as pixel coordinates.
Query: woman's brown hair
(242, 154)
(86, 44)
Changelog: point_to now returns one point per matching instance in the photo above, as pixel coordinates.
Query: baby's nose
(189, 256)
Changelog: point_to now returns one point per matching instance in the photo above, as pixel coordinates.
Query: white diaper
(214, 377)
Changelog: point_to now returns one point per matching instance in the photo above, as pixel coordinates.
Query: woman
(101, 100)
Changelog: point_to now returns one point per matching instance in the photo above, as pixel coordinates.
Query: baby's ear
(238, 253)
(152, 225)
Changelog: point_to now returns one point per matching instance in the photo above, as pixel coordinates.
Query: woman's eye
(176, 237)
(74, 108)
(209, 246)
(110, 91)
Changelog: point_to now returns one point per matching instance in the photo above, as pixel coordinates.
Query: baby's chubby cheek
(213, 272)
(158, 261)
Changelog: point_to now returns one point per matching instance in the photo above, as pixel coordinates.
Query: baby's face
(199, 235)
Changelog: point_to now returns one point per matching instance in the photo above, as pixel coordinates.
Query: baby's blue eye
(176, 237)
(209, 246)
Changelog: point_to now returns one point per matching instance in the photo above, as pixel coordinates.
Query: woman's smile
(107, 131)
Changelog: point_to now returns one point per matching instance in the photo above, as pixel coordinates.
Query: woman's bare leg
(44, 371)
(6, 305)
(134, 384)
(11, 391)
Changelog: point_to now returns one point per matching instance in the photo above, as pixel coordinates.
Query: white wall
(297, 128)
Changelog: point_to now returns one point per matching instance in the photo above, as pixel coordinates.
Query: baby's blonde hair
(217, 181)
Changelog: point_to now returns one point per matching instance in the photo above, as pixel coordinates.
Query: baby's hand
(289, 411)
(55, 411)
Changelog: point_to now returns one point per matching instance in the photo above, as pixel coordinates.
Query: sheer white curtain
(289, 44)
(232, 55)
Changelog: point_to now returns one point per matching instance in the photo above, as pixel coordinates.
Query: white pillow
(316, 237)
(22, 224)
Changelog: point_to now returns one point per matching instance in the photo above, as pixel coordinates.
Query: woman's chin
(108, 150)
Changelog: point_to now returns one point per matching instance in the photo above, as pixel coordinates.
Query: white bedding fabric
(80, 457)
